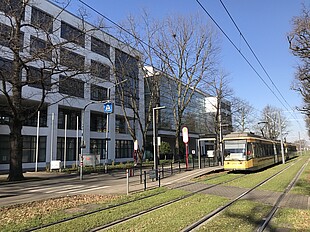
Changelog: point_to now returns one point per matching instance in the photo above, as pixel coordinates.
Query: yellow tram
(247, 151)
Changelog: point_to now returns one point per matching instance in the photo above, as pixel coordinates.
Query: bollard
(179, 166)
(158, 180)
(127, 175)
(144, 180)
(141, 174)
(193, 162)
(171, 168)
(204, 162)
(162, 170)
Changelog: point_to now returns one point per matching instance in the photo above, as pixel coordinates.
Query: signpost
(185, 140)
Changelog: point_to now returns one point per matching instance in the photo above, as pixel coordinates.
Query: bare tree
(186, 49)
(299, 44)
(242, 115)
(43, 62)
(218, 86)
(273, 121)
(181, 51)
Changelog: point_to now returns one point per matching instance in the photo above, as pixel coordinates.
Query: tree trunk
(16, 151)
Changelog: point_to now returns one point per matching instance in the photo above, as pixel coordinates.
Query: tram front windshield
(235, 150)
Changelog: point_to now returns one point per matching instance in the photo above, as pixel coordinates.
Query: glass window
(4, 149)
(5, 69)
(40, 48)
(70, 149)
(5, 35)
(126, 67)
(33, 120)
(71, 59)
(120, 124)
(29, 149)
(235, 150)
(124, 149)
(72, 34)
(100, 47)
(70, 86)
(98, 122)
(97, 146)
(39, 78)
(13, 8)
(100, 70)
(42, 20)
(98, 93)
(72, 115)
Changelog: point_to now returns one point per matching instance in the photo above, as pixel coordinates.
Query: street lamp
(154, 139)
(107, 124)
(83, 145)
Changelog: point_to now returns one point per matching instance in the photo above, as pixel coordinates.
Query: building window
(72, 115)
(4, 149)
(71, 59)
(42, 20)
(124, 149)
(120, 124)
(6, 37)
(71, 87)
(98, 93)
(100, 70)
(40, 48)
(13, 8)
(71, 154)
(5, 69)
(39, 78)
(97, 147)
(100, 47)
(98, 122)
(126, 67)
(34, 119)
(72, 34)
(29, 149)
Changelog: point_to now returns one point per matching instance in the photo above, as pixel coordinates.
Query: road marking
(43, 189)
(65, 188)
(90, 188)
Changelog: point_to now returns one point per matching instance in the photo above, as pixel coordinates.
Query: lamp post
(83, 145)
(154, 139)
(107, 124)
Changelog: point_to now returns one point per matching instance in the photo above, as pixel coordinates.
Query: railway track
(193, 226)
(182, 185)
(267, 219)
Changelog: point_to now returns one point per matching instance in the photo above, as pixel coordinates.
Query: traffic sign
(108, 107)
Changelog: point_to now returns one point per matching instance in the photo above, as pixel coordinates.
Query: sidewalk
(136, 186)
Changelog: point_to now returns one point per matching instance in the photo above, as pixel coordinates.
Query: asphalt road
(55, 185)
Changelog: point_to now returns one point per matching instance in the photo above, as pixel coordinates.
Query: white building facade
(77, 102)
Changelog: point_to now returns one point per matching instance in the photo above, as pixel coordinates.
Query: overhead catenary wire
(224, 33)
(257, 59)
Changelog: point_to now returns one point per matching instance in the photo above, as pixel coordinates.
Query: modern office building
(77, 100)
(199, 115)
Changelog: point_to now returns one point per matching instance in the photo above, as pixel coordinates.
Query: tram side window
(250, 151)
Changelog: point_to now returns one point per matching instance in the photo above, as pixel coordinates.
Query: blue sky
(264, 24)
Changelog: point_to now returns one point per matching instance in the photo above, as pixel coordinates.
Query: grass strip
(107, 216)
(252, 179)
(302, 186)
(241, 216)
(29, 215)
(287, 219)
(280, 182)
(174, 217)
